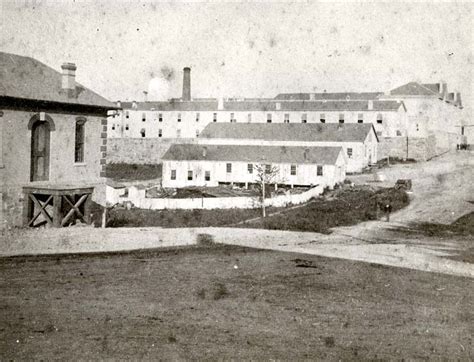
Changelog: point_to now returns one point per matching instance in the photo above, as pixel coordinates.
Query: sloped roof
(27, 78)
(329, 96)
(434, 87)
(414, 89)
(257, 154)
(173, 105)
(302, 132)
(264, 105)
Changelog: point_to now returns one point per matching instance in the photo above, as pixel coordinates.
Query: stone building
(410, 121)
(53, 136)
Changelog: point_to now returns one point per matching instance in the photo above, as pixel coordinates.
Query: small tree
(265, 174)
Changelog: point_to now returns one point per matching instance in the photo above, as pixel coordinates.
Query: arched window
(80, 140)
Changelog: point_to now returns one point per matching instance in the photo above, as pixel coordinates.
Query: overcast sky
(246, 49)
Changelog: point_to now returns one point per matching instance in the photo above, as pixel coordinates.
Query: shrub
(205, 240)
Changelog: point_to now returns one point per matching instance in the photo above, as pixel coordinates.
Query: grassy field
(345, 207)
(229, 303)
(342, 207)
(133, 172)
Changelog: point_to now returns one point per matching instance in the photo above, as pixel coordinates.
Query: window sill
(80, 164)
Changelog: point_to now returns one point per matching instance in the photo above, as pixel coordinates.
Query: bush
(205, 240)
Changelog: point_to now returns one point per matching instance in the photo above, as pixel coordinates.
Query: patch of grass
(346, 207)
(179, 218)
(142, 305)
(220, 291)
(462, 226)
(133, 172)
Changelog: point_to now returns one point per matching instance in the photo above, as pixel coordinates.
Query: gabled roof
(27, 78)
(329, 96)
(264, 105)
(414, 89)
(302, 132)
(254, 154)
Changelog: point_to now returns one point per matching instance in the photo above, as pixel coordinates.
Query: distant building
(358, 141)
(187, 165)
(434, 117)
(53, 136)
(412, 121)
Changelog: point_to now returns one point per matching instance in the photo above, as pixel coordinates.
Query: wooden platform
(68, 203)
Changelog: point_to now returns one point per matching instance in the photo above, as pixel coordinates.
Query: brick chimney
(444, 90)
(204, 151)
(370, 105)
(186, 84)
(68, 79)
(458, 101)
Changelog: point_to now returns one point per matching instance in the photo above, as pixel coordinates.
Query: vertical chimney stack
(186, 84)
(370, 105)
(145, 96)
(68, 76)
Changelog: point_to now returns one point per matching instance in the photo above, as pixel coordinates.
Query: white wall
(138, 198)
(306, 174)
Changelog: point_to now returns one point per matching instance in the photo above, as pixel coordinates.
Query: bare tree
(266, 174)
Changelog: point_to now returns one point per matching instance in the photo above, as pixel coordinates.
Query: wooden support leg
(87, 209)
(28, 209)
(57, 216)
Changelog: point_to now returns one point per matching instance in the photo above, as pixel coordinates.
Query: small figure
(388, 209)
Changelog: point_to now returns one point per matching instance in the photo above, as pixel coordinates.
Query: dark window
(462, 130)
(304, 118)
(341, 117)
(190, 175)
(126, 127)
(287, 118)
(160, 133)
(79, 144)
(268, 168)
(250, 168)
(179, 117)
(143, 117)
(319, 170)
(113, 126)
(269, 118)
(214, 117)
(322, 118)
(207, 175)
(173, 174)
(127, 114)
(349, 152)
(197, 117)
(360, 118)
(249, 117)
(379, 118)
(229, 167)
(293, 170)
(232, 118)
(197, 133)
(160, 117)
(399, 133)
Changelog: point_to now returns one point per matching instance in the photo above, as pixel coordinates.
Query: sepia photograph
(236, 180)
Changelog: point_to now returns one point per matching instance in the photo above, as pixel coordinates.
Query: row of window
(250, 170)
(286, 117)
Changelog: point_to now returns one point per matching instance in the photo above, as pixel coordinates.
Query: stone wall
(420, 149)
(140, 150)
